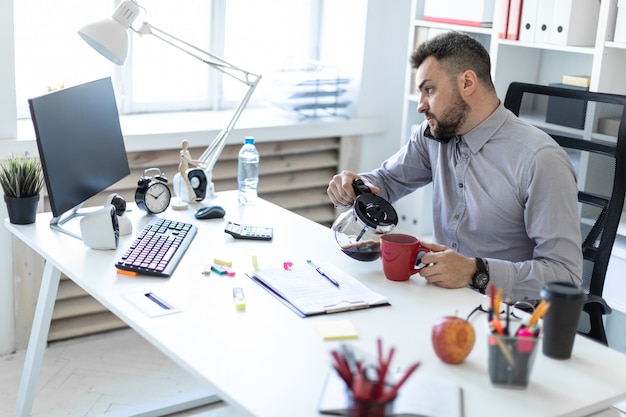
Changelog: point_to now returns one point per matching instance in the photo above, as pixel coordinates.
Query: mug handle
(418, 262)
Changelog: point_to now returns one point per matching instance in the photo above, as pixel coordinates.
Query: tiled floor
(93, 375)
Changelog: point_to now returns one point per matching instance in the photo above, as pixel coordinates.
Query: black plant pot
(22, 210)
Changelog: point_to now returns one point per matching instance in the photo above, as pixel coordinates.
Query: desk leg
(38, 340)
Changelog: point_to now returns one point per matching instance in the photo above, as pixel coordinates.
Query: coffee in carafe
(358, 230)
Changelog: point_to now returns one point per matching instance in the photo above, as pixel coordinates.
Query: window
(257, 35)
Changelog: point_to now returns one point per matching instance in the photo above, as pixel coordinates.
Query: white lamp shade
(108, 37)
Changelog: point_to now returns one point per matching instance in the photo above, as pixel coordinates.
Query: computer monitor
(80, 143)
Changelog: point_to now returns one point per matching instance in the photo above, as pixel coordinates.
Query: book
(421, 395)
(308, 291)
(577, 80)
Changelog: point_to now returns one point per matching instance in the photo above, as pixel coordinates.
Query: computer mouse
(210, 212)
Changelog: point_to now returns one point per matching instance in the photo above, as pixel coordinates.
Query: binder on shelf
(528, 21)
(620, 22)
(308, 293)
(543, 26)
(501, 17)
(477, 13)
(515, 15)
(575, 22)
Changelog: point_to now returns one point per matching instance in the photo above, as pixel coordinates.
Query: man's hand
(446, 267)
(340, 188)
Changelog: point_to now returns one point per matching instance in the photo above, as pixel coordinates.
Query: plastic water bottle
(248, 173)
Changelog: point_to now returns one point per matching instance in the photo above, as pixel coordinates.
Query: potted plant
(21, 178)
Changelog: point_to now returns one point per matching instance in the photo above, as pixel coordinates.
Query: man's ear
(468, 82)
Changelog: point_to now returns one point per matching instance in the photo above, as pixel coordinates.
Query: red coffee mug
(401, 255)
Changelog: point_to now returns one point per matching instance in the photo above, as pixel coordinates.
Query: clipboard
(307, 293)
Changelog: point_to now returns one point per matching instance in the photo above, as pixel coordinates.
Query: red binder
(515, 15)
(501, 17)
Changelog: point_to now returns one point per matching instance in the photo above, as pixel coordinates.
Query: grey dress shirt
(505, 191)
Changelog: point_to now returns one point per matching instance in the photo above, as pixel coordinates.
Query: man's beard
(451, 120)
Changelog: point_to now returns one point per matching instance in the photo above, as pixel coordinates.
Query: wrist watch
(480, 280)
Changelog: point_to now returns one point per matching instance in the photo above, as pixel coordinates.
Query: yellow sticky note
(337, 329)
(255, 263)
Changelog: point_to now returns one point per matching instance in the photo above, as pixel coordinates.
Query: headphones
(117, 201)
(102, 228)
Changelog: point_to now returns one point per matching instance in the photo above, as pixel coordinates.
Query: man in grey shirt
(505, 194)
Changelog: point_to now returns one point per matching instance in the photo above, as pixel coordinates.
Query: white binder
(575, 22)
(543, 28)
(528, 20)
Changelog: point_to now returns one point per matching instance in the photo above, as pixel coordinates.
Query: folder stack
(558, 22)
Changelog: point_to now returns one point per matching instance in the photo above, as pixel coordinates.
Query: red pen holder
(370, 408)
(511, 360)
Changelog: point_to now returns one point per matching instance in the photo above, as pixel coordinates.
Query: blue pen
(319, 271)
(332, 281)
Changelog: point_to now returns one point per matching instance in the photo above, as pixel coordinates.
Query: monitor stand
(57, 222)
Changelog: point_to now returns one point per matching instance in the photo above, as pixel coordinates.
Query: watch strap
(482, 271)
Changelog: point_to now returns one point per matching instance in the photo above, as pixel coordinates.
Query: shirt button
(453, 246)
(465, 156)
(456, 217)
(460, 185)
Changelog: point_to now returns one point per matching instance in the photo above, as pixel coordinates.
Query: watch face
(481, 280)
(157, 197)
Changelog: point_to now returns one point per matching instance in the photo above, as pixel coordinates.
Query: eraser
(218, 269)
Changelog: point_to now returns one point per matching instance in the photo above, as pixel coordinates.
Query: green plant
(21, 176)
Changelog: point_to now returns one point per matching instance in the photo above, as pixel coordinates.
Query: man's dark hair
(456, 52)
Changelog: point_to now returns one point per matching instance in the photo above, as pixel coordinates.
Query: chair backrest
(592, 128)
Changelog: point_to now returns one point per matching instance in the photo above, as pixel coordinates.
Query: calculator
(239, 231)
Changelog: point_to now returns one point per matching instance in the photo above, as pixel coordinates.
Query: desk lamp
(109, 36)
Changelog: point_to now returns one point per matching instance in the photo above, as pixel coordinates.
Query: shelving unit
(541, 63)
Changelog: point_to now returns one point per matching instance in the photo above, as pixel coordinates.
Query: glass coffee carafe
(358, 229)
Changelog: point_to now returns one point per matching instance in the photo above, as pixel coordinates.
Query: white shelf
(588, 50)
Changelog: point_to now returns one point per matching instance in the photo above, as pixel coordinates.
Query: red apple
(453, 339)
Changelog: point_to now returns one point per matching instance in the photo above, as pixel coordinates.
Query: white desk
(267, 361)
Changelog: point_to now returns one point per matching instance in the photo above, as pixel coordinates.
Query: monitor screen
(80, 143)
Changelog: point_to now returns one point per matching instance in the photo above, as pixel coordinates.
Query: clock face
(157, 197)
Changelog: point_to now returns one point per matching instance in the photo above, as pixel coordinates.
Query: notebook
(422, 395)
(307, 292)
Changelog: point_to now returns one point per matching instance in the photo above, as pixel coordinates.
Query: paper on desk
(310, 293)
(336, 330)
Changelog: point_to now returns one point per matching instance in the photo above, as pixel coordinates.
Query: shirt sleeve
(405, 171)
(552, 222)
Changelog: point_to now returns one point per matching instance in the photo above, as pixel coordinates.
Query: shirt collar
(477, 137)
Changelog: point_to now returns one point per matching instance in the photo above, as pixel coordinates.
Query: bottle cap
(248, 140)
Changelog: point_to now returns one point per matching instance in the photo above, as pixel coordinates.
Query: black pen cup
(560, 322)
(511, 360)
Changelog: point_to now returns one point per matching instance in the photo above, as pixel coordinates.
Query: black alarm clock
(153, 194)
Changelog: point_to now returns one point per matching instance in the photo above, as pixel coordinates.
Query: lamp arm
(213, 151)
(215, 61)
(209, 157)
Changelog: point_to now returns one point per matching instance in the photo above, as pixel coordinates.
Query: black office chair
(571, 115)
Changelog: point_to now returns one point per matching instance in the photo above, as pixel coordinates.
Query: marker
(239, 298)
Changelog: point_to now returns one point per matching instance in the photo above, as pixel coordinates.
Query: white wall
(384, 66)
